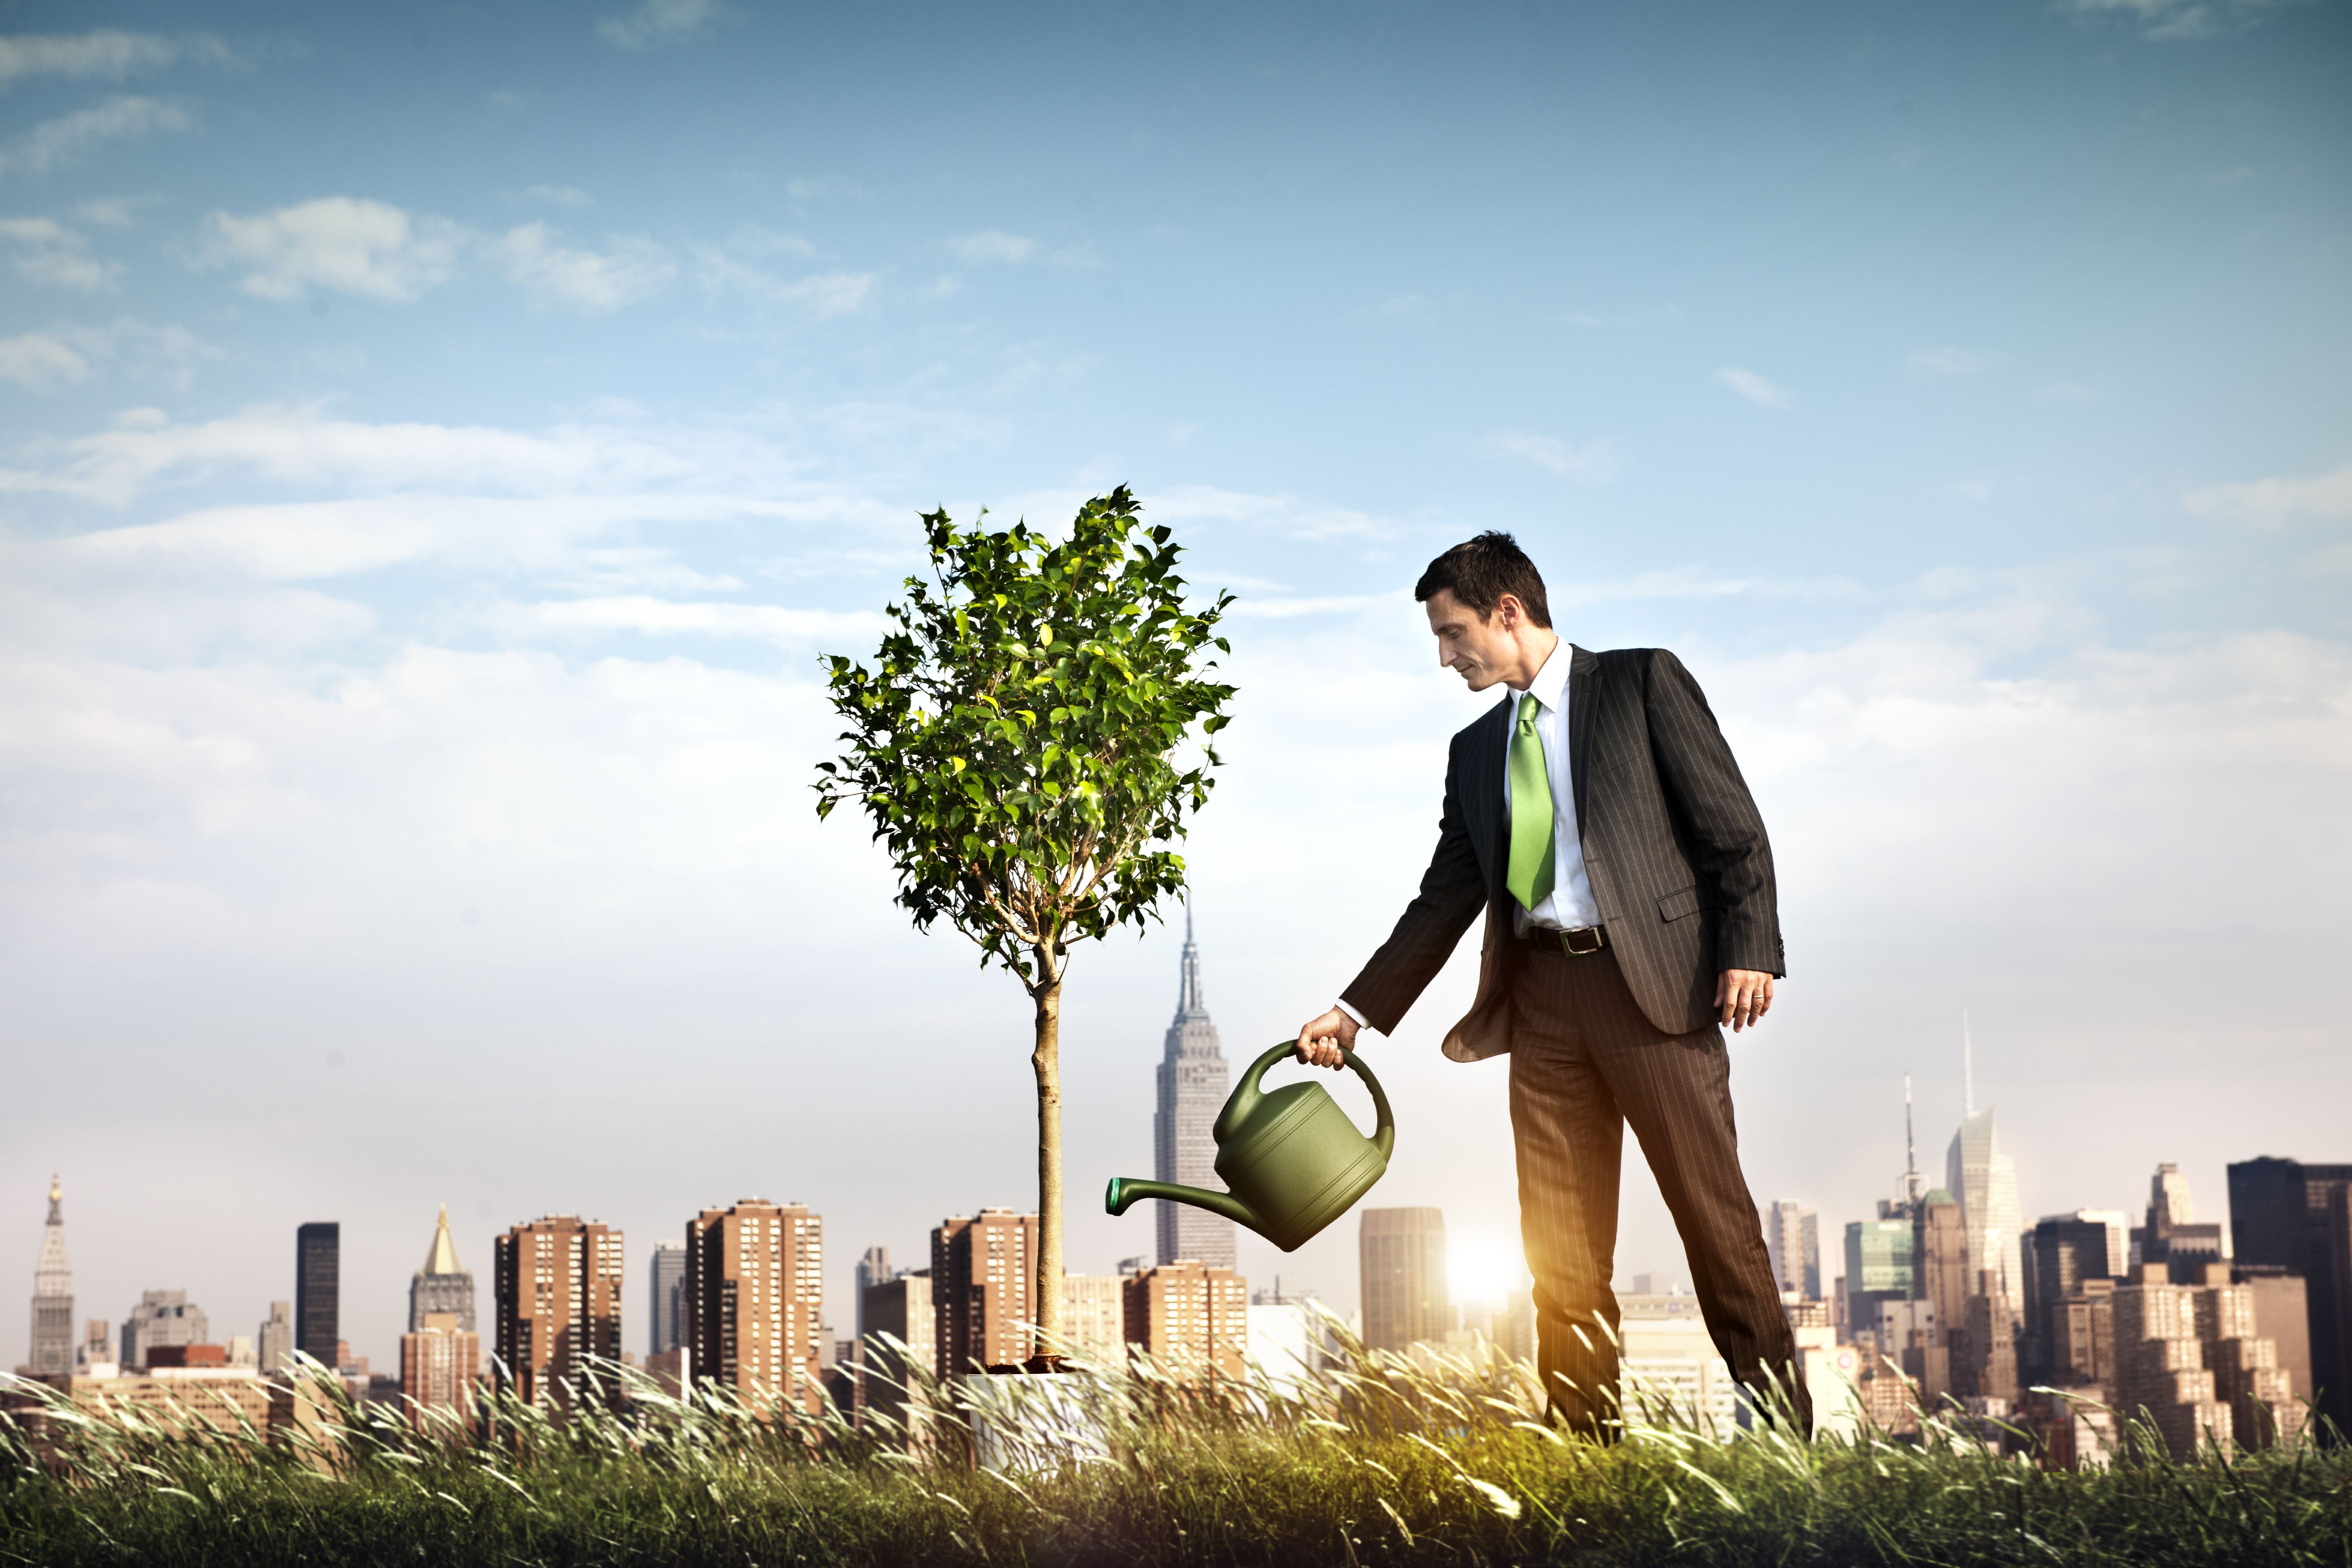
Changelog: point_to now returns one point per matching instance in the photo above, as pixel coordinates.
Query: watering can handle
(1384, 1133)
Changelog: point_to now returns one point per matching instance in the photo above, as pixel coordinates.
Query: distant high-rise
(1094, 1318)
(1941, 1277)
(1193, 1084)
(2173, 1235)
(2298, 1218)
(1401, 1259)
(873, 1268)
(53, 1319)
(753, 1302)
(442, 1286)
(985, 1290)
(558, 1306)
(1984, 1180)
(2060, 1254)
(666, 1274)
(274, 1340)
(896, 1309)
(163, 1318)
(1190, 1318)
(318, 1290)
(439, 1360)
(1792, 1234)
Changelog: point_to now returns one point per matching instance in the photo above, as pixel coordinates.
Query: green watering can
(1293, 1159)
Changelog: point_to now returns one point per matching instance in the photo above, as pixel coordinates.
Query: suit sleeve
(1725, 832)
(1453, 891)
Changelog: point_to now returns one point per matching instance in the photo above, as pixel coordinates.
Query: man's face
(1477, 649)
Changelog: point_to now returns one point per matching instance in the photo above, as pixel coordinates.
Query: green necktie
(1531, 812)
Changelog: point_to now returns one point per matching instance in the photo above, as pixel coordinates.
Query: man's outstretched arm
(1452, 891)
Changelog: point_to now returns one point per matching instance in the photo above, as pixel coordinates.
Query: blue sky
(437, 445)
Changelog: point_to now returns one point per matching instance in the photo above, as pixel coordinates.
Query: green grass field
(1384, 1463)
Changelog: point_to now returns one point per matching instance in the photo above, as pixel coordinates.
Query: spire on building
(1911, 1178)
(443, 1258)
(1189, 1003)
(53, 1319)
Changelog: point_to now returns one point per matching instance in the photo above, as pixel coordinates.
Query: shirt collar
(1550, 683)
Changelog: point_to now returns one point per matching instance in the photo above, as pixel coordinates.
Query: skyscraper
(1792, 1234)
(439, 1359)
(2298, 1218)
(1193, 1084)
(753, 1302)
(1984, 1180)
(318, 1274)
(163, 1318)
(53, 1319)
(274, 1341)
(985, 1290)
(1401, 1259)
(666, 1273)
(442, 1286)
(873, 1268)
(1193, 1320)
(558, 1306)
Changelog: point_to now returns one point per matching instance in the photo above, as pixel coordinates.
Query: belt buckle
(1568, 941)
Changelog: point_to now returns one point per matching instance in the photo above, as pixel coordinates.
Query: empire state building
(1193, 1084)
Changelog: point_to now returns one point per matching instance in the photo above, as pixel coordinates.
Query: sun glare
(1481, 1270)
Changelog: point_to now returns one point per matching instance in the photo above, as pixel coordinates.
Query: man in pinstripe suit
(1597, 817)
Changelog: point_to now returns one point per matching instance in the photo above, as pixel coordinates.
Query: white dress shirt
(1569, 903)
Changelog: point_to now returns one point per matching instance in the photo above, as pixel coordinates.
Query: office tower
(1792, 1236)
(1879, 1264)
(752, 1308)
(274, 1339)
(2298, 1218)
(1400, 1263)
(1942, 1275)
(557, 1284)
(2172, 1234)
(895, 1311)
(97, 1350)
(318, 1270)
(1190, 1318)
(442, 1286)
(1984, 1180)
(1094, 1318)
(665, 1316)
(1192, 1084)
(163, 1318)
(2193, 1358)
(873, 1267)
(2059, 1252)
(439, 1359)
(985, 1290)
(53, 1319)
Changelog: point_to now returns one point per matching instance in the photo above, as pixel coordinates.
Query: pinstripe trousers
(1584, 1063)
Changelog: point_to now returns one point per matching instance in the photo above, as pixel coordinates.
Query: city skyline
(427, 494)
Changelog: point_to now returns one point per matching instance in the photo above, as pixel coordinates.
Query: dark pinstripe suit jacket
(1672, 844)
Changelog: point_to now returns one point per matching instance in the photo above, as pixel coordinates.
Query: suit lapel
(1583, 701)
(1493, 831)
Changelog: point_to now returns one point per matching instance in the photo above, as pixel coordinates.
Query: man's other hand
(1320, 1043)
(1742, 997)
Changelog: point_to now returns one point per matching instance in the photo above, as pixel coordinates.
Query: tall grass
(1380, 1460)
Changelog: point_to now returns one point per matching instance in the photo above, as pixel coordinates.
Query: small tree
(1021, 747)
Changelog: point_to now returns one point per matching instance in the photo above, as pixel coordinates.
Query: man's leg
(1570, 1140)
(1675, 1091)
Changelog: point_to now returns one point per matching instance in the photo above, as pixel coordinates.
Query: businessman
(1596, 818)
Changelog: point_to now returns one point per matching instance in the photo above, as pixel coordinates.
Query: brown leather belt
(1582, 943)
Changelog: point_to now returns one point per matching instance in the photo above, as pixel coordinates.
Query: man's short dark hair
(1480, 571)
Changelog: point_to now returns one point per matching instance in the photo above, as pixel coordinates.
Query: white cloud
(1753, 387)
(68, 138)
(2177, 20)
(993, 244)
(39, 360)
(110, 54)
(659, 22)
(1591, 463)
(591, 280)
(560, 195)
(2274, 503)
(823, 294)
(49, 253)
(68, 355)
(671, 617)
(1950, 362)
(352, 246)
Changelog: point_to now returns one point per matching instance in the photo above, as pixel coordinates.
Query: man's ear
(1510, 612)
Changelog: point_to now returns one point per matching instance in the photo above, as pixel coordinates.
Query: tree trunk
(1047, 1061)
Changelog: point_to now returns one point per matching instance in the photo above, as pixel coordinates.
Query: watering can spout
(1128, 1190)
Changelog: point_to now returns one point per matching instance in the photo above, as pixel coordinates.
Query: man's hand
(1320, 1042)
(1742, 996)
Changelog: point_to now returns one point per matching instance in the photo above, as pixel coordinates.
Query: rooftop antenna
(1968, 1068)
(1910, 1147)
